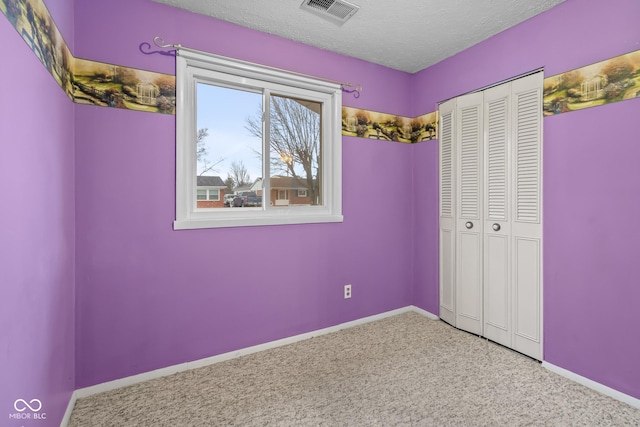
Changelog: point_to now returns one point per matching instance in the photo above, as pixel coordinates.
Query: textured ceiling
(407, 35)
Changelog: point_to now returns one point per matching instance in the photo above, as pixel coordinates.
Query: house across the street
(210, 192)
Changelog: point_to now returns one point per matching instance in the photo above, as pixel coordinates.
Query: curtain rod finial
(159, 41)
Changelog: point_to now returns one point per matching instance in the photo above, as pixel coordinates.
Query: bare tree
(295, 141)
(230, 185)
(201, 149)
(239, 174)
(202, 153)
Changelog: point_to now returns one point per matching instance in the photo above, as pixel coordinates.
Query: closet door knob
(469, 225)
(496, 227)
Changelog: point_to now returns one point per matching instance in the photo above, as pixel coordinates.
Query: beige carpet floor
(405, 370)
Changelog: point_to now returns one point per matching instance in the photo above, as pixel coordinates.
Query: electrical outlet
(347, 291)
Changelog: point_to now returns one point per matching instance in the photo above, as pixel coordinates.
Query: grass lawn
(581, 105)
(87, 80)
(554, 95)
(140, 107)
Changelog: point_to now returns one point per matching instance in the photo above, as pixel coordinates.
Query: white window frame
(303, 193)
(197, 67)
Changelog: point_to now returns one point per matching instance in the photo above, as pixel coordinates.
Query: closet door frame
(509, 228)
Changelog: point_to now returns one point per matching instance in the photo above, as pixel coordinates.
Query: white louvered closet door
(497, 226)
(526, 224)
(490, 200)
(447, 236)
(469, 210)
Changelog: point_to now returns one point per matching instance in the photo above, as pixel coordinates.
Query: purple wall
(36, 237)
(148, 296)
(591, 187)
(62, 12)
(592, 184)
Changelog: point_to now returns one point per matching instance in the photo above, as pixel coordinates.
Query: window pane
(295, 151)
(229, 152)
(202, 194)
(228, 107)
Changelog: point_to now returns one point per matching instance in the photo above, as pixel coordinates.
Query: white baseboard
(425, 313)
(608, 391)
(67, 413)
(134, 379)
(170, 370)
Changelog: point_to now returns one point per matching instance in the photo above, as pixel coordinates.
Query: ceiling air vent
(337, 11)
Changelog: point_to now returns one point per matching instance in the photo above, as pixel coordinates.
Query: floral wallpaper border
(612, 80)
(389, 127)
(108, 85)
(85, 81)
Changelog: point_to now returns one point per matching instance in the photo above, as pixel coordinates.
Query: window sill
(192, 224)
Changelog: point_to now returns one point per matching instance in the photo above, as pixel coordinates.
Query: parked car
(238, 201)
(250, 198)
(228, 199)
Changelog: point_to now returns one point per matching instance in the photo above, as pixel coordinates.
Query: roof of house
(286, 182)
(257, 185)
(210, 181)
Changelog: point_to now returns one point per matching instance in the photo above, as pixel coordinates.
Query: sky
(224, 112)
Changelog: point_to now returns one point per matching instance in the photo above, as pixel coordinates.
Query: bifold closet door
(447, 225)
(497, 225)
(526, 207)
(469, 248)
(512, 265)
(491, 213)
